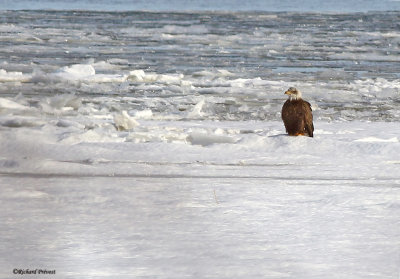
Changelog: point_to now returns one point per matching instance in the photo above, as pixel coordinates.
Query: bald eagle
(297, 115)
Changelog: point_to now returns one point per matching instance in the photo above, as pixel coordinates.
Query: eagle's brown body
(297, 115)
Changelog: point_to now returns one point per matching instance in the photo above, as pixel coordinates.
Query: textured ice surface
(150, 145)
(237, 65)
(102, 227)
(178, 199)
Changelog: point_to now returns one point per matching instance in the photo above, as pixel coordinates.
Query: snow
(197, 198)
(261, 205)
(124, 121)
(374, 139)
(152, 146)
(173, 228)
(129, 195)
(12, 76)
(353, 150)
(9, 104)
(105, 192)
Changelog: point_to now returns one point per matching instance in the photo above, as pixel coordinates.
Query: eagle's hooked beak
(288, 92)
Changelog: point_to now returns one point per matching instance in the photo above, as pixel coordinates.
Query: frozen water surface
(149, 145)
(201, 228)
(203, 200)
(237, 63)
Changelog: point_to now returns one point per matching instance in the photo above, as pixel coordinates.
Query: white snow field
(201, 199)
(150, 145)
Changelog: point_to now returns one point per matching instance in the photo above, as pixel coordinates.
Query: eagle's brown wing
(308, 118)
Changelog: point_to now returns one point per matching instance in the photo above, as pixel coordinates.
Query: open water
(207, 5)
(238, 63)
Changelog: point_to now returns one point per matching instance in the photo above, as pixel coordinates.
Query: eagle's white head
(293, 93)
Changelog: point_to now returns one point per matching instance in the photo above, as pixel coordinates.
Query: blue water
(205, 5)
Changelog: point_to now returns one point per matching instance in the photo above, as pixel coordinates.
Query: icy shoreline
(354, 150)
(149, 145)
(140, 227)
(188, 202)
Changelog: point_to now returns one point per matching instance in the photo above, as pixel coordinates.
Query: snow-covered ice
(199, 199)
(152, 147)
